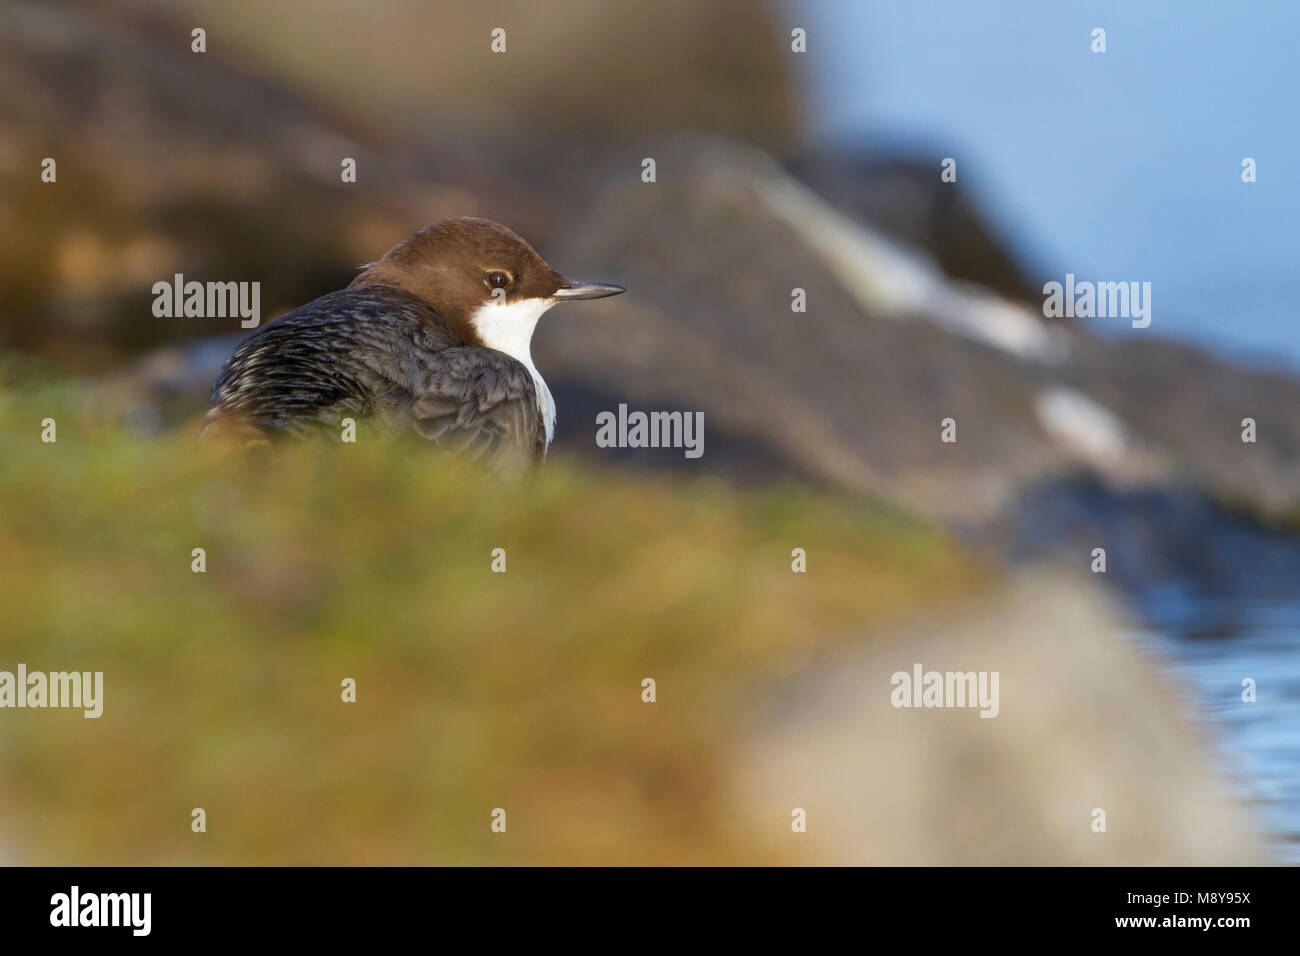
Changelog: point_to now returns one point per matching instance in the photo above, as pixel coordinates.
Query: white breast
(508, 327)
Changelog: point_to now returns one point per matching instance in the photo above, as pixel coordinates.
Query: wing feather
(479, 403)
(375, 351)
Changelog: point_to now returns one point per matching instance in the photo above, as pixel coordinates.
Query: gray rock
(1085, 721)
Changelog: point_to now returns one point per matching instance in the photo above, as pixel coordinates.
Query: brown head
(480, 276)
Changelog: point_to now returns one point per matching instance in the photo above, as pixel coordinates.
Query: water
(1212, 645)
(1117, 165)
(1218, 598)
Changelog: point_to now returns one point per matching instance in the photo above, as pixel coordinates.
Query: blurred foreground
(522, 690)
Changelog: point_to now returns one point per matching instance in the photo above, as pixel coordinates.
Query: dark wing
(332, 357)
(480, 403)
(375, 351)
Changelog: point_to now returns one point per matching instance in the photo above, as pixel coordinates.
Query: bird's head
(482, 277)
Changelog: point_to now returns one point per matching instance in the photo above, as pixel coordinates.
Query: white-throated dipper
(434, 337)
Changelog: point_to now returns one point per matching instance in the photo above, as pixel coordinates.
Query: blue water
(1211, 646)
(1123, 165)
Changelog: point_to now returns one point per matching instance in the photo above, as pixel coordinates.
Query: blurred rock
(853, 392)
(172, 161)
(227, 163)
(1086, 721)
(905, 198)
(585, 71)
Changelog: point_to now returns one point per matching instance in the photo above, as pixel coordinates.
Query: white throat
(508, 327)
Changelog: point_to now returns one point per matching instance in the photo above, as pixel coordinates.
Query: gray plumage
(380, 353)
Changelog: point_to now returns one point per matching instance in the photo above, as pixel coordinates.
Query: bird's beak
(577, 289)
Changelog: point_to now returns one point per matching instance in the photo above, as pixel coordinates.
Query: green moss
(476, 690)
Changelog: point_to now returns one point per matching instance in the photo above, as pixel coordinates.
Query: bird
(433, 338)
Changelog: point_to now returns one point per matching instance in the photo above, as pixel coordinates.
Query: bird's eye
(498, 280)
